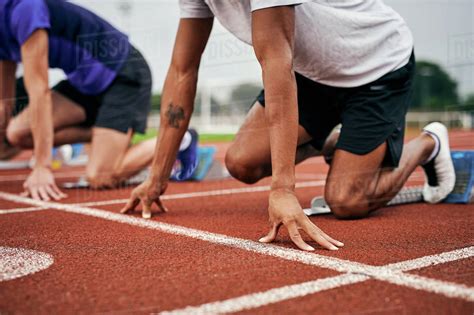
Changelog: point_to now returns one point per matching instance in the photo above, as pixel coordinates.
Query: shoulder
(194, 9)
(28, 16)
(28, 6)
(24, 10)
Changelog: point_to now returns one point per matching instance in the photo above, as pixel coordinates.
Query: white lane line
(377, 272)
(19, 262)
(21, 210)
(259, 299)
(309, 176)
(209, 193)
(452, 290)
(103, 203)
(11, 178)
(433, 260)
(315, 176)
(313, 161)
(255, 300)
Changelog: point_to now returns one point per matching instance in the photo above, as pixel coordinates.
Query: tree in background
(242, 97)
(245, 94)
(434, 89)
(469, 102)
(156, 102)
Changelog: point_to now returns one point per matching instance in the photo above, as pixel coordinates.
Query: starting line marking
(11, 178)
(21, 210)
(384, 273)
(18, 262)
(208, 193)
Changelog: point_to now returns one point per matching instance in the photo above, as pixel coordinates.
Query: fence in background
(454, 119)
(226, 124)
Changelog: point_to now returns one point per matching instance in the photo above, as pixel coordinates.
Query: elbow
(270, 57)
(276, 69)
(276, 63)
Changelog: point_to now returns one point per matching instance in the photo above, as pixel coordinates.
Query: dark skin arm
(275, 53)
(176, 109)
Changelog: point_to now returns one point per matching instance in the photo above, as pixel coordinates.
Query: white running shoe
(439, 172)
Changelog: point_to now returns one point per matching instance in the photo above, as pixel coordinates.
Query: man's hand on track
(284, 209)
(40, 185)
(147, 193)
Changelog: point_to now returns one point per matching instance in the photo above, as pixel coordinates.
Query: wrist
(42, 165)
(157, 181)
(43, 158)
(280, 189)
(288, 184)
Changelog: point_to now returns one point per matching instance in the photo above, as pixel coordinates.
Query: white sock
(186, 142)
(435, 149)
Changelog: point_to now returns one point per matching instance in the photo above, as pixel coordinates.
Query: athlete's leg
(112, 159)
(358, 184)
(67, 116)
(249, 160)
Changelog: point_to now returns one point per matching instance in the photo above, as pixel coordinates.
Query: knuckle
(302, 216)
(289, 220)
(296, 236)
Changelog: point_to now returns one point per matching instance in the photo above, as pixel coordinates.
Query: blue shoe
(205, 158)
(187, 160)
(77, 150)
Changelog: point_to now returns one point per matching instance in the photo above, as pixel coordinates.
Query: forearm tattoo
(175, 114)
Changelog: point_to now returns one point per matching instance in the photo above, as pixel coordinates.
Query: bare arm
(34, 54)
(179, 92)
(274, 50)
(176, 109)
(273, 39)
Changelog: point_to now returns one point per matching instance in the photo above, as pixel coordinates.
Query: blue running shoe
(205, 159)
(187, 160)
(77, 150)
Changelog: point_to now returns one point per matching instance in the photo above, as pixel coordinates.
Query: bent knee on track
(18, 135)
(347, 202)
(241, 168)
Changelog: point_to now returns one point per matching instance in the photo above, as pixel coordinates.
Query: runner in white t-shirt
(323, 63)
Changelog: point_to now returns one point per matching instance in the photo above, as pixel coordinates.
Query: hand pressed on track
(284, 209)
(146, 193)
(40, 185)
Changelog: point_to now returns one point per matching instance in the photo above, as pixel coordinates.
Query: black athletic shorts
(370, 114)
(124, 105)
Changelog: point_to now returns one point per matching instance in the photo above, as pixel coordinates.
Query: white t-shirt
(342, 43)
